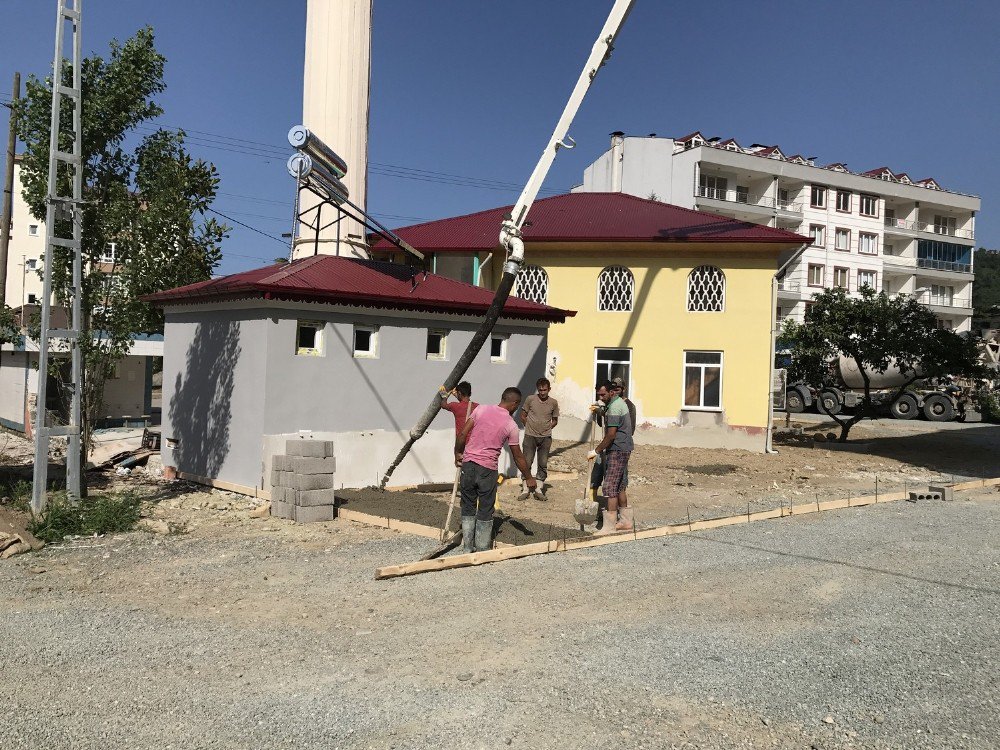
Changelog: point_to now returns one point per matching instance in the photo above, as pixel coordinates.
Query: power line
(247, 226)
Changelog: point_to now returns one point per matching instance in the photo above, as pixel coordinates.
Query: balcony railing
(785, 285)
(944, 265)
(922, 226)
(744, 197)
(941, 300)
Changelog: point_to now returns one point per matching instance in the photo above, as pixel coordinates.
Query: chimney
(617, 160)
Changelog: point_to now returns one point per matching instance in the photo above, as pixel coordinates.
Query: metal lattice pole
(57, 207)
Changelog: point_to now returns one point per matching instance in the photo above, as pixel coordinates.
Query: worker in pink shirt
(477, 450)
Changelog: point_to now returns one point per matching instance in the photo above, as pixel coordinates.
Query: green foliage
(989, 406)
(878, 332)
(19, 493)
(10, 332)
(986, 290)
(145, 194)
(98, 514)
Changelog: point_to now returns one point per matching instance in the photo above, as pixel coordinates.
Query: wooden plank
(219, 484)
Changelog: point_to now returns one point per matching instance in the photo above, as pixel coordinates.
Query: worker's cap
(618, 382)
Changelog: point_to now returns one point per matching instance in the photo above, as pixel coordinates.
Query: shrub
(989, 406)
(98, 514)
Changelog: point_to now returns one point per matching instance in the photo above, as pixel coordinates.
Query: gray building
(332, 348)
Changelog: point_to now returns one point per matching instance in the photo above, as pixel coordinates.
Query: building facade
(675, 302)
(332, 348)
(878, 228)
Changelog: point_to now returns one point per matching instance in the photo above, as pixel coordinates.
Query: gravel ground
(867, 628)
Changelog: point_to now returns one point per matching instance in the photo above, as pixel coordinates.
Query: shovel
(454, 489)
(585, 509)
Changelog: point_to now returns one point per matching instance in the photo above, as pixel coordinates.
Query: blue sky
(473, 89)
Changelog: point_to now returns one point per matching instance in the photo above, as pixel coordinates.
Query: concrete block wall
(302, 481)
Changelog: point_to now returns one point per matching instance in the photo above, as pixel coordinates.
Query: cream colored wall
(23, 248)
(658, 330)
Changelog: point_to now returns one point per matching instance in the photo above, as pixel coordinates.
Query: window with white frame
(108, 256)
(868, 243)
(309, 338)
(366, 342)
(437, 344)
(533, 284)
(706, 290)
(703, 380)
(817, 197)
(613, 363)
(841, 277)
(615, 289)
(867, 278)
(869, 205)
(818, 234)
(32, 299)
(944, 225)
(844, 201)
(943, 323)
(842, 240)
(816, 273)
(942, 295)
(31, 264)
(783, 198)
(498, 348)
(32, 230)
(711, 186)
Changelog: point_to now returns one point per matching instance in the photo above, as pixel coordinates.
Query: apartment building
(878, 228)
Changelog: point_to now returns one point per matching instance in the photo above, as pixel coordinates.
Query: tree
(878, 332)
(144, 224)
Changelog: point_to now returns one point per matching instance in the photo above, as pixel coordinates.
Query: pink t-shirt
(492, 429)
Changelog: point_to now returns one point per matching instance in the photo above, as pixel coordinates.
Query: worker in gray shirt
(540, 414)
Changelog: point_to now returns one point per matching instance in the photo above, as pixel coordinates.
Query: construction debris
(15, 539)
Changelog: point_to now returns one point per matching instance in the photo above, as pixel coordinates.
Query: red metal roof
(590, 217)
(350, 281)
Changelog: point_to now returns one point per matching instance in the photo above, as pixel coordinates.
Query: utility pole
(8, 190)
(58, 210)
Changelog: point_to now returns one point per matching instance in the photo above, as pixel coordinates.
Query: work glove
(591, 455)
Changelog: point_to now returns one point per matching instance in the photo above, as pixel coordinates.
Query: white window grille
(533, 284)
(615, 289)
(706, 290)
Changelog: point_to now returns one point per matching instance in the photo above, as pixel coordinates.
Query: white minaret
(335, 108)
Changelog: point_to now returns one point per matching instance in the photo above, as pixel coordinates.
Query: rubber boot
(607, 524)
(625, 519)
(469, 533)
(484, 535)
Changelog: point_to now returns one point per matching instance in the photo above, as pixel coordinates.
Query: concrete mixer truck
(940, 401)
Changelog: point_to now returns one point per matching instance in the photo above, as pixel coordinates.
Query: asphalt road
(872, 627)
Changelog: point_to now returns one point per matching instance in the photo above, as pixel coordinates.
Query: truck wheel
(905, 407)
(938, 408)
(829, 403)
(794, 403)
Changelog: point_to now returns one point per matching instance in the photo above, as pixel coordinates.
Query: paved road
(864, 628)
(904, 426)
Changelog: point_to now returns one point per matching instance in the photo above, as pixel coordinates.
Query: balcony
(911, 228)
(949, 301)
(788, 289)
(746, 199)
(943, 265)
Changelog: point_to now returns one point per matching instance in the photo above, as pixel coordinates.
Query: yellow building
(678, 303)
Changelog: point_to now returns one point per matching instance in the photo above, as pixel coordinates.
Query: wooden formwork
(553, 545)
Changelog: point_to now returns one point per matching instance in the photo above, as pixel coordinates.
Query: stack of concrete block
(302, 481)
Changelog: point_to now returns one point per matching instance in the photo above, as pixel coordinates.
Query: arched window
(615, 289)
(706, 290)
(533, 285)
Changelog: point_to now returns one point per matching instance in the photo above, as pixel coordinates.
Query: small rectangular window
(818, 197)
(841, 278)
(366, 341)
(869, 205)
(868, 243)
(31, 264)
(437, 345)
(32, 299)
(613, 363)
(842, 240)
(309, 339)
(33, 230)
(498, 348)
(844, 201)
(866, 278)
(816, 273)
(944, 225)
(703, 380)
(818, 234)
(108, 256)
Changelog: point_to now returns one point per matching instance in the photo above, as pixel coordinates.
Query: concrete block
(930, 495)
(309, 448)
(947, 491)
(314, 513)
(280, 478)
(281, 463)
(281, 509)
(314, 497)
(308, 465)
(309, 481)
